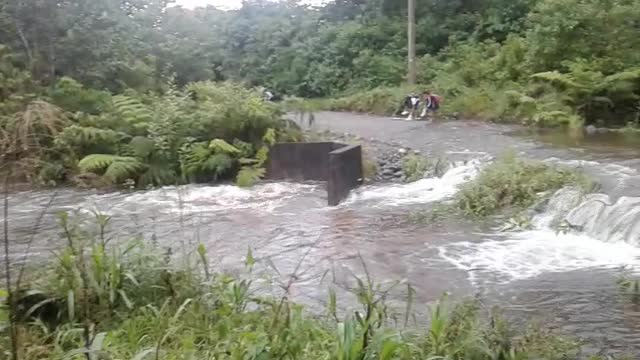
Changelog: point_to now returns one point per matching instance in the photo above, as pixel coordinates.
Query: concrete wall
(338, 164)
(345, 172)
(299, 161)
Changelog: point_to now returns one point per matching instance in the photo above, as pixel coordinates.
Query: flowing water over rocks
(564, 279)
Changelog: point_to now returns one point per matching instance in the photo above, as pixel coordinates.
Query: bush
(511, 182)
(414, 167)
(150, 139)
(379, 101)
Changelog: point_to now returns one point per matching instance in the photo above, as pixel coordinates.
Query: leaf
(250, 261)
(125, 298)
(131, 110)
(99, 162)
(98, 341)
(269, 137)
(556, 78)
(389, 347)
(71, 304)
(143, 354)
(219, 145)
(249, 175)
(181, 309)
(37, 306)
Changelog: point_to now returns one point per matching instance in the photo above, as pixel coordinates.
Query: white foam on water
(526, 254)
(419, 192)
(190, 199)
(621, 172)
(607, 239)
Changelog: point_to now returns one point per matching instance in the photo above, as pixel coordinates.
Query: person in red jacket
(431, 103)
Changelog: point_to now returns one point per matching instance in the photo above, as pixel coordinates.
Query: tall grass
(511, 182)
(130, 301)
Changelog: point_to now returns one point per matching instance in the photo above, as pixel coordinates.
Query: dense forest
(141, 82)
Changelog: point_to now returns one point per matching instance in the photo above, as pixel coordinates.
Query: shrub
(414, 167)
(513, 182)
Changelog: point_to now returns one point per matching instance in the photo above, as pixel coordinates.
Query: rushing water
(566, 280)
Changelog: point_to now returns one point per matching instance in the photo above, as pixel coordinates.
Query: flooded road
(565, 280)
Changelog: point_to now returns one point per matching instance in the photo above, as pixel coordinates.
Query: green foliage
(115, 169)
(249, 175)
(414, 167)
(199, 160)
(382, 101)
(113, 78)
(510, 182)
(132, 111)
(72, 96)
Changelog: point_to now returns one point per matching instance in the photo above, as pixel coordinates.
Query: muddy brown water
(565, 280)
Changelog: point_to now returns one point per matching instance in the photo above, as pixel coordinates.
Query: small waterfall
(420, 192)
(599, 218)
(601, 234)
(557, 207)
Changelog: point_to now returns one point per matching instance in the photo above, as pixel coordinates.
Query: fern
(556, 78)
(221, 146)
(158, 175)
(131, 110)
(269, 137)
(202, 160)
(249, 175)
(113, 168)
(76, 135)
(217, 164)
(262, 155)
(141, 146)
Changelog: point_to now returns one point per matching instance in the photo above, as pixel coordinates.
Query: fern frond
(131, 110)
(86, 135)
(98, 162)
(269, 137)
(221, 146)
(116, 168)
(262, 155)
(158, 175)
(249, 175)
(122, 170)
(217, 164)
(556, 78)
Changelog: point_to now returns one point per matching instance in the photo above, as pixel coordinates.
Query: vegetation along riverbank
(97, 300)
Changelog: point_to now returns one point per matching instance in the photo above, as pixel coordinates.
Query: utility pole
(411, 76)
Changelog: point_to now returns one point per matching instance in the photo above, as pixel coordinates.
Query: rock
(591, 129)
(398, 174)
(402, 151)
(417, 152)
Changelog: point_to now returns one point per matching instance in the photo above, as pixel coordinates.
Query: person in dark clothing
(409, 106)
(431, 103)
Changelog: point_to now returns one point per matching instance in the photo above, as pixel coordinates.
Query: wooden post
(411, 30)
